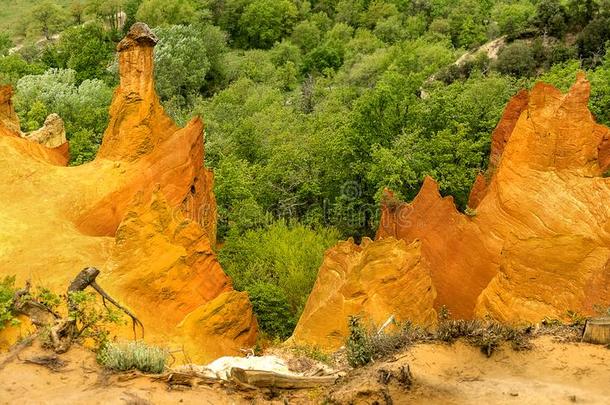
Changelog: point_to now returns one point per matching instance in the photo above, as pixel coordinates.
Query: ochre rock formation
(143, 212)
(53, 147)
(52, 134)
(374, 280)
(536, 242)
(537, 245)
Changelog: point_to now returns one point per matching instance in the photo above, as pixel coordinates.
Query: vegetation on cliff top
(312, 107)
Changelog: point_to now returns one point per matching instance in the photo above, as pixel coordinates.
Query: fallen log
(269, 379)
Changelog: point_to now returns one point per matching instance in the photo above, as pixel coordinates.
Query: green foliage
(88, 50)
(84, 107)
(273, 313)
(181, 61)
(135, 355)
(513, 18)
(284, 256)
(162, 12)
(264, 22)
(516, 59)
(14, 67)
(7, 292)
(358, 347)
(551, 17)
(47, 18)
(5, 43)
(92, 320)
(106, 11)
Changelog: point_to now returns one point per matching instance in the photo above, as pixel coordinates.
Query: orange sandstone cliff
(143, 212)
(374, 280)
(537, 241)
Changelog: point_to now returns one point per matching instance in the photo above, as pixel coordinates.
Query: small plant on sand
(365, 345)
(7, 291)
(487, 335)
(358, 347)
(134, 355)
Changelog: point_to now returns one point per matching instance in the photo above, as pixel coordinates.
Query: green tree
(88, 50)
(185, 57)
(512, 19)
(551, 17)
(47, 18)
(516, 59)
(162, 12)
(5, 43)
(273, 313)
(14, 67)
(265, 22)
(107, 11)
(285, 256)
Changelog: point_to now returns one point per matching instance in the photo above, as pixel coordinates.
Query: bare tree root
(63, 331)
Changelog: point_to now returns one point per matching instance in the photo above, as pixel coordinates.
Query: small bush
(7, 291)
(272, 310)
(365, 345)
(135, 355)
(484, 334)
(516, 59)
(359, 348)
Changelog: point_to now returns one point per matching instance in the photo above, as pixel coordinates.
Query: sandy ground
(551, 373)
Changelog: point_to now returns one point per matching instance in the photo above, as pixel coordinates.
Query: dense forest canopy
(312, 107)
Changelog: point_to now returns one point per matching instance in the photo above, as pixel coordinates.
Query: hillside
(343, 179)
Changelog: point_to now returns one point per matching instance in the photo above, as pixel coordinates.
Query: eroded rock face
(374, 280)
(537, 245)
(52, 134)
(53, 149)
(143, 212)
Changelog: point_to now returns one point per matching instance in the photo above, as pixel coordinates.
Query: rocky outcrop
(52, 134)
(451, 243)
(535, 242)
(49, 143)
(374, 280)
(143, 212)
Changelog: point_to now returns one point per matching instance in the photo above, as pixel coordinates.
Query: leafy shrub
(358, 346)
(484, 334)
(92, 320)
(134, 355)
(516, 59)
(282, 255)
(7, 292)
(273, 313)
(367, 344)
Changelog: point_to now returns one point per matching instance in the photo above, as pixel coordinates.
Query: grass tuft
(133, 355)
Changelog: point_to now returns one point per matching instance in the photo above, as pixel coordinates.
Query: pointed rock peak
(428, 190)
(505, 127)
(138, 123)
(139, 35)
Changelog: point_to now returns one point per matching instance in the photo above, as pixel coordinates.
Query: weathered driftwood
(269, 379)
(597, 330)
